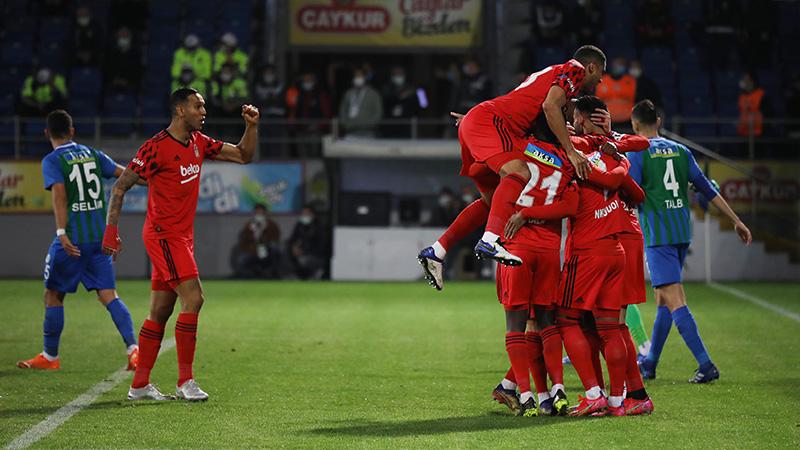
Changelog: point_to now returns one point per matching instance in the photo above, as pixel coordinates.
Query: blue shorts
(63, 272)
(665, 263)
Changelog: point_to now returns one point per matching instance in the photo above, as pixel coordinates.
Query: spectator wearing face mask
(86, 40)
(229, 53)
(188, 78)
(549, 24)
(401, 101)
(269, 94)
(646, 88)
(257, 251)
(42, 92)
(192, 54)
(447, 208)
(473, 87)
(618, 90)
(123, 64)
(307, 246)
(361, 108)
(310, 113)
(228, 94)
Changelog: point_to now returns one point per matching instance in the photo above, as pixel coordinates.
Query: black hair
(645, 113)
(590, 54)
(59, 123)
(261, 206)
(179, 97)
(586, 104)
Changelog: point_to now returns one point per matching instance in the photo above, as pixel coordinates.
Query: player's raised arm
(553, 111)
(111, 241)
(243, 152)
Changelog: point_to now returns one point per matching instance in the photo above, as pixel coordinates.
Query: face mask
(43, 76)
(466, 198)
(467, 70)
(398, 80)
(635, 72)
(260, 219)
(306, 220)
(225, 77)
(187, 77)
(84, 20)
(358, 81)
(124, 42)
(269, 78)
(617, 70)
(307, 85)
(444, 201)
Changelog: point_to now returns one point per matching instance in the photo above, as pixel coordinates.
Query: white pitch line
(53, 421)
(757, 301)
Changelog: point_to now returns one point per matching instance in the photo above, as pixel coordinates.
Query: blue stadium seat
(7, 99)
(203, 9)
(52, 55)
(237, 10)
(55, 30)
(697, 107)
(17, 53)
(687, 10)
(11, 78)
(166, 10)
(788, 18)
(689, 57)
(85, 82)
(155, 113)
(119, 106)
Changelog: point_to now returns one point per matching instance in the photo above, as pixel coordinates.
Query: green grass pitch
(373, 365)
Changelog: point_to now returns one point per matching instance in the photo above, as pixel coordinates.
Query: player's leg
(552, 350)
(634, 322)
(190, 293)
(636, 400)
(98, 275)
(121, 317)
(675, 299)
(61, 276)
(538, 369)
(664, 270)
(589, 328)
(162, 302)
(517, 349)
(615, 353)
(514, 176)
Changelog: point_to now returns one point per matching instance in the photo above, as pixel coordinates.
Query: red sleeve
(632, 193)
(566, 205)
(630, 142)
(608, 180)
(145, 163)
(582, 144)
(569, 77)
(208, 145)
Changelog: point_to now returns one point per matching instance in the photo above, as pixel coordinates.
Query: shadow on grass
(466, 424)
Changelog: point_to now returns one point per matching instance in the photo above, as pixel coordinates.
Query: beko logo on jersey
(543, 156)
(193, 169)
(600, 213)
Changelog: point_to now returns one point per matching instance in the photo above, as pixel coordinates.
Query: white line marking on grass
(756, 300)
(53, 421)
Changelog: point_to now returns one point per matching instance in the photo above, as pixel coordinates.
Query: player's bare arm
(738, 225)
(552, 108)
(118, 173)
(243, 152)
(59, 194)
(112, 244)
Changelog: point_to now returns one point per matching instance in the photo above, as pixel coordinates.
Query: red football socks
(632, 375)
(503, 201)
(185, 342)
(578, 348)
(536, 361)
(551, 343)
(471, 218)
(517, 350)
(613, 350)
(150, 337)
(510, 375)
(596, 343)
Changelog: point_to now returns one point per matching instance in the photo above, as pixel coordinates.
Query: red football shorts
(485, 139)
(172, 261)
(633, 288)
(593, 278)
(535, 282)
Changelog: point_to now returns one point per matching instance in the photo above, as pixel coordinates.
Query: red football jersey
(551, 174)
(520, 107)
(172, 171)
(600, 212)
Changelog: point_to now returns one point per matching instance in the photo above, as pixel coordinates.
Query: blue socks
(53, 325)
(687, 327)
(661, 328)
(122, 319)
